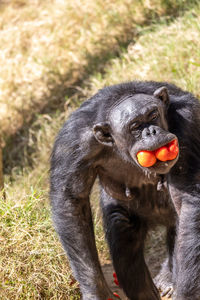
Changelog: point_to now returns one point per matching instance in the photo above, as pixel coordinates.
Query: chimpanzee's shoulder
(178, 96)
(140, 87)
(95, 109)
(107, 96)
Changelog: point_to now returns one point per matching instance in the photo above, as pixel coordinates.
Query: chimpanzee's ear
(162, 94)
(102, 134)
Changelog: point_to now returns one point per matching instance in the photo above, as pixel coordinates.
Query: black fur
(97, 142)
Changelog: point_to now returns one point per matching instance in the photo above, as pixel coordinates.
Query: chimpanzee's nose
(150, 131)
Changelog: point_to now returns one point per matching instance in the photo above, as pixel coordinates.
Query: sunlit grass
(162, 53)
(32, 262)
(46, 46)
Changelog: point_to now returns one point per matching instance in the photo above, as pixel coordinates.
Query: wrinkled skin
(101, 139)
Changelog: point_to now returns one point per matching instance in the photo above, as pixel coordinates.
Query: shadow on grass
(17, 151)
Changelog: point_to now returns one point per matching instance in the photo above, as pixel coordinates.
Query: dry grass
(50, 44)
(162, 52)
(32, 262)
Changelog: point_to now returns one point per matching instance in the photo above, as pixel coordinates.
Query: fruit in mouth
(146, 158)
(168, 152)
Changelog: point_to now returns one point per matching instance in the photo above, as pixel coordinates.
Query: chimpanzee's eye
(153, 116)
(134, 126)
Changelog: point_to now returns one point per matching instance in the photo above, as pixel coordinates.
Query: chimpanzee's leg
(163, 280)
(125, 235)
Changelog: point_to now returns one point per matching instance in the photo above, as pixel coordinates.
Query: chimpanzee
(102, 140)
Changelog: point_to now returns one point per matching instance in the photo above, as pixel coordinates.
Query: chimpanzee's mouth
(159, 157)
(164, 144)
(161, 167)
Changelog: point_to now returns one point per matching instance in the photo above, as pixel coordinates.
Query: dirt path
(155, 254)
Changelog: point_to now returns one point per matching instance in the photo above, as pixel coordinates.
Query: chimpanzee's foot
(163, 281)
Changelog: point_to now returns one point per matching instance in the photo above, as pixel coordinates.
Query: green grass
(32, 262)
(31, 258)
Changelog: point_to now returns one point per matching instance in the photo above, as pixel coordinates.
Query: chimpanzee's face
(138, 123)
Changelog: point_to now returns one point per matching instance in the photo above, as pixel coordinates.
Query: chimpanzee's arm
(72, 177)
(184, 186)
(187, 248)
(126, 235)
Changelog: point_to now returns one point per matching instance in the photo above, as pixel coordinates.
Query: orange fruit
(146, 158)
(173, 150)
(168, 152)
(162, 153)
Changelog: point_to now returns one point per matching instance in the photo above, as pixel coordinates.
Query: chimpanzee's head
(135, 123)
